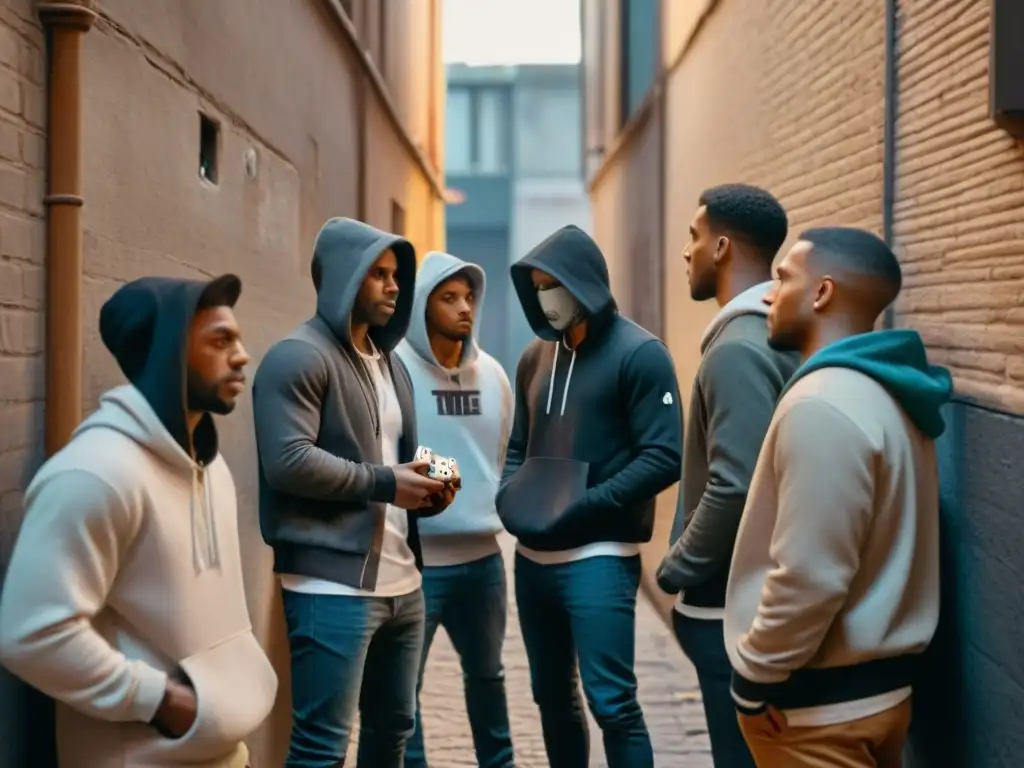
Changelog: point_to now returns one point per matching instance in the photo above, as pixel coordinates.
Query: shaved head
(835, 281)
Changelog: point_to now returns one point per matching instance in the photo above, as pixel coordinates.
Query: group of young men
(805, 553)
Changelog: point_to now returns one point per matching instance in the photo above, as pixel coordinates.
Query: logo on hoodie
(667, 399)
(457, 402)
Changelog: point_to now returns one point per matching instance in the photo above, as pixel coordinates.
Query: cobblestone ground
(668, 693)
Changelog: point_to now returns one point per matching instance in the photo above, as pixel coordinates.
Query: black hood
(344, 251)
(572, 257)
(145, 325)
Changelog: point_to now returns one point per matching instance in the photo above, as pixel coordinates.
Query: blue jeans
(585, 611)
(470, 602)
(349, 652)
(703, 642)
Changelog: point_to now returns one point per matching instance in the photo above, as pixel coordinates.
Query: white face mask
(560, 307)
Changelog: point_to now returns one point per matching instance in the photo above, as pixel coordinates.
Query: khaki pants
(872, 742)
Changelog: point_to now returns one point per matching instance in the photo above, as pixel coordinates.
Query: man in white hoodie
(124, 598)
(464, 406)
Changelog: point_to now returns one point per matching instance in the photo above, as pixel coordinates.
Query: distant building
(513, 160)
(216, 136)
(905, 117)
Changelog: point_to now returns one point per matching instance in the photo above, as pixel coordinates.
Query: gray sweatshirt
(733, 398)
(323, 491)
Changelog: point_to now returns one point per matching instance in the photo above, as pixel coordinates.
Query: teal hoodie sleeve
(651, 398)
(740, 385)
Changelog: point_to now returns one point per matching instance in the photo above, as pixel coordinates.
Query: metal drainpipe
(889, 135)
(65, 23)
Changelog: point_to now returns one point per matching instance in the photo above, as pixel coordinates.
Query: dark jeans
(582, 616)
(470, 602)
(703, 642)
(350, 652)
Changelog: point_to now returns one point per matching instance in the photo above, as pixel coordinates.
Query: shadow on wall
(971, 688)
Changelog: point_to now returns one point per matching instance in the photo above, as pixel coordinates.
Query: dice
(441, 468)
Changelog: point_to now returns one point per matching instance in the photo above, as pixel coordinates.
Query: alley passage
(668, 693)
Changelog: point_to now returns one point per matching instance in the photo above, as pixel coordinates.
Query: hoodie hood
(435, 269)
(897, 360)
(572, 257)
(750, 302)
(344, 251)
(145, 325)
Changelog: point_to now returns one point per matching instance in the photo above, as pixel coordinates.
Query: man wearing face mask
(596, 436)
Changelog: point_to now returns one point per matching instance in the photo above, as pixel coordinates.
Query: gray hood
(434, 270)
(750, 302)
(345, 250)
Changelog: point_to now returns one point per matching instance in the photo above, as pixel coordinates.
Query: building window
(477, 130)
(640, 46)
(209, 138)
(1006, 58)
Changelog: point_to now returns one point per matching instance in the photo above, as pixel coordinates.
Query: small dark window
(209, 138)
(397, 218)
(1006, 87)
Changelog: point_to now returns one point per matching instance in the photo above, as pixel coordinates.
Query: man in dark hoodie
(596, 436)
(834, 587)
(734, 236)
(124, 600)
(339, 498)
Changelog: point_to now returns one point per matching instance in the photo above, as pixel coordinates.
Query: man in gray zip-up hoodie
(336, 435)
(734, 237)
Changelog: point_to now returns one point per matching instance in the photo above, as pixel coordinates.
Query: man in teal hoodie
(464, 411)
(834, 587)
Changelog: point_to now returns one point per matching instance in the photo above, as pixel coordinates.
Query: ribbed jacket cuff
(384, 485)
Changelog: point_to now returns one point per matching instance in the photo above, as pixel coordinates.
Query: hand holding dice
(444, 470)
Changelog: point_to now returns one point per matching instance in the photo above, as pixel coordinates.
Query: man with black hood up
(124, 599)
(339, 498)
(596, 436)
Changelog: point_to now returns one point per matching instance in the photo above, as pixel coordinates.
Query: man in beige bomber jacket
(124, 598)
(834, 586)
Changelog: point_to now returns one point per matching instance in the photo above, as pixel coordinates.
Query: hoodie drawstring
(205, 547)
(568, 378)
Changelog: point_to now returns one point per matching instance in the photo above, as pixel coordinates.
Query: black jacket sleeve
(650, 395)
(519, 437)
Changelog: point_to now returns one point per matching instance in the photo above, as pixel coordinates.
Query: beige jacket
(127, 569)
(836, 562)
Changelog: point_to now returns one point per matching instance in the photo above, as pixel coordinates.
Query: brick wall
(22, 175)
(959, 223)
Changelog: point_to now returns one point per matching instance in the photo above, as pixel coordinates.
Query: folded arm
(77, 530)
(651, 400)
(288, 395)
(740, 387)
(824, 465)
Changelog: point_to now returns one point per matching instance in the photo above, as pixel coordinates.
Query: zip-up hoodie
(323, 490)
(463, 412)
(597, 432)
(731, 404)
(127, 568)
(834, 586)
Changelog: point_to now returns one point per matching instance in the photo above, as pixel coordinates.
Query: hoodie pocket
(235, 688)
(537, 499)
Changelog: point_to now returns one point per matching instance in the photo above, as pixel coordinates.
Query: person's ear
(722, 249)
(826, 293)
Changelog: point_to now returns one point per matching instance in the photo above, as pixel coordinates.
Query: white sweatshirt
(127, 570)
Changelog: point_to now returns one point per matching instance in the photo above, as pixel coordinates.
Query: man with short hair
(834, 587)
(596, 436)
(734, 236)
(464, 409)
(340, 494)
(124, 598)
